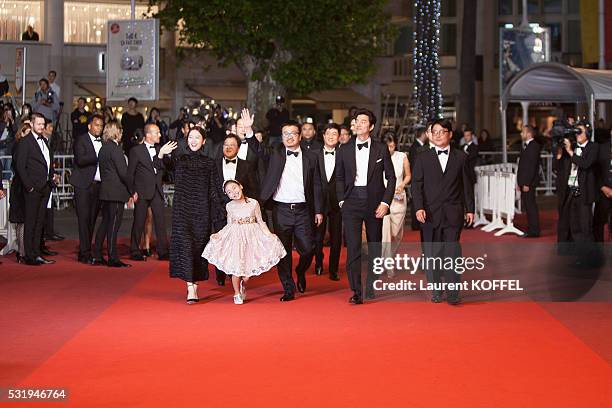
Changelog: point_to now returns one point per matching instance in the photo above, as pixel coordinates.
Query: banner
(132, 60)
(519, 49)
(589, 26)
(20, 55)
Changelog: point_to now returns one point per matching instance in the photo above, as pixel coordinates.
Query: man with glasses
(443, 196)
(293, 188)
(362, 166)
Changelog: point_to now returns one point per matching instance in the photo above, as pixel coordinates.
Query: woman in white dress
(393, 223)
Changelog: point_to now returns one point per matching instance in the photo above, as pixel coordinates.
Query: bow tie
(524, 145)
(332, 152)
(362, 145)
(43, 139)
(290, 153)
(227, 161)
(442, 152)
(151, 147)
(244, 141)
(98, 139)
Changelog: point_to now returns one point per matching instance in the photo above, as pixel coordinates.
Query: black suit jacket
(31, 165)
(113, 172)
(380, 167)
(311, 178)
(587, 163)
(141, 176)
(313, 145)
(244, 175)
(445, 196)
(85, 162)
(472, 159)
(414, 151)
(328, 188)
(529, 164)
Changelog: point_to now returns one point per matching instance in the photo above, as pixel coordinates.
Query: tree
(467, 67)
(284, 45)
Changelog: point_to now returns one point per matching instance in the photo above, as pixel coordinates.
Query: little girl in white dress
(245, 247)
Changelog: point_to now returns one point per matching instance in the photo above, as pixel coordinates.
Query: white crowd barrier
(6, 228)
(495, 195)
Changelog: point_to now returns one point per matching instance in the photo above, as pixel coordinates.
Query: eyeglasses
(289, 134)
(439, 132)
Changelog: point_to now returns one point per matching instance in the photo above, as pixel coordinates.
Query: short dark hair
(139, 135)
(389, 137)
(96, 116)
(229, 123)
(368, 113)
(233, 136)
(133, 99)
(45, 80)
(53, 72)
(530, 130)
(82, 99)
(468, 128)
(331, 126)
(35, 115)
(420, 131)
(200, 130)
(292, 123)
(445, 123)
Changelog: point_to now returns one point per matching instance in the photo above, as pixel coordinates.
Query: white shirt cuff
(250, 134)
(388, 206)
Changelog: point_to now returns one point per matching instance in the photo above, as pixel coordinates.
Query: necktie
(332, 153)
(442, 152)
(290, 153)
(227, 161)
(362, 145)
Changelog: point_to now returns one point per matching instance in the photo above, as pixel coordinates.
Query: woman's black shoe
(147, 252)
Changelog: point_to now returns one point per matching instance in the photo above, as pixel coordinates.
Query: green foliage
(305, 45)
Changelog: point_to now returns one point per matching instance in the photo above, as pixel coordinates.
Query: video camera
(562, 129)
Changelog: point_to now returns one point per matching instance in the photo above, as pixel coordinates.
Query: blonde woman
(17, 199)
(114, 193)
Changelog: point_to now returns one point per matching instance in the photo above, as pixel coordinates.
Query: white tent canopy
(554, 82)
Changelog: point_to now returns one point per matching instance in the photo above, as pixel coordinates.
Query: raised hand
(167, 148)
(247, 119)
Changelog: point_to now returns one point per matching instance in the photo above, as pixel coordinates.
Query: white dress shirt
(362, 157)
(229, 169)
(152, 153)
(330, 162)
(244, 147)
(443, 158)
(44, 149)
(97, 144)
(291, 187)
(572, 180)
(465, 147)
(56, 89)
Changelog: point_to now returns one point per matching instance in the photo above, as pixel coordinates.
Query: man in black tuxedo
(34, 167)
(443, 195)
(293, 188)
(362, 165)
(421, 143)
(231, 167)
(144, 175)
(86, 181)
(309, 137)
(80, 119)
(332, 218)
(528, 179)
(471, 149)
(257, 166)
(577, 191)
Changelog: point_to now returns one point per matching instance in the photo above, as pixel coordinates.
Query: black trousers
(48, 228)
(35, 211)
(354, 215)
(87, 208)
(575, 227)
(293, 226)
(332, 222)
(112, 215)
(528, 201)
(440, 243)
(600, 217)
(140, 215)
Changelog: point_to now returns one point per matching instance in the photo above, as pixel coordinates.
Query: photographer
(576, 189)
(45, 101)
(179, 125)
(276, 117)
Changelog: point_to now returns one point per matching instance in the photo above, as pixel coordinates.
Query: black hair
(45, 80)
(96, 116)
(35, 115)
(348, 129)
(53, 72)
(445, 123)
(331, 126)
(420, 131)
(82, 99)
(133, 99)
(233, 136)
(368, 113)
(468, 128)
(389, 137)
(292, 123)
(139, 135)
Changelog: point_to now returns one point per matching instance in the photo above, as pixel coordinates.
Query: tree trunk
(467, 70)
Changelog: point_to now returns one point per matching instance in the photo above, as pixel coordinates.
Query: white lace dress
(245, 246)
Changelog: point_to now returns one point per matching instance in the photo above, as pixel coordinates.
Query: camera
(562, 129)
(50, 97)
(280, 99)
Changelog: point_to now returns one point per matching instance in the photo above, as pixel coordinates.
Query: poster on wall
(519, 48)
(20, 63)
(132, 60)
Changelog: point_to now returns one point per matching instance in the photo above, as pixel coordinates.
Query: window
(573, 37)
(555, 37)
(15, 16)
(573, 6)
(553, 6)
(449, 8)
(448, 39)
(533, 7)
(403, 42)
(504, 7)
(86, 22)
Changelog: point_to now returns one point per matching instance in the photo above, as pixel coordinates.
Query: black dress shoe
(454, 301)
(318, 270)
(356, 300)
(47, 252)
(31, 262)
(531, 235)
(147, 252)
(370, 295)
(98, 261)
(334, 276)
(115, 263)
(163, 257)
(301, 282)
(84, 260)
(54, 237)
(44, 261)
(436, 299)
(138, 257)
(20, 259)
(287, 297)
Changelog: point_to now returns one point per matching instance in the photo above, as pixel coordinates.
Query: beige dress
(245, 246)
(393, 223)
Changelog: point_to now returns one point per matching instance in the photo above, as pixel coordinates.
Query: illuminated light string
(427, 94)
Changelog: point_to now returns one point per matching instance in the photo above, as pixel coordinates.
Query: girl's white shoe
(238, 300)
(243, 290)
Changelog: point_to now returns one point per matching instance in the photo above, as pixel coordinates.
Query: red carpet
(126, 339)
